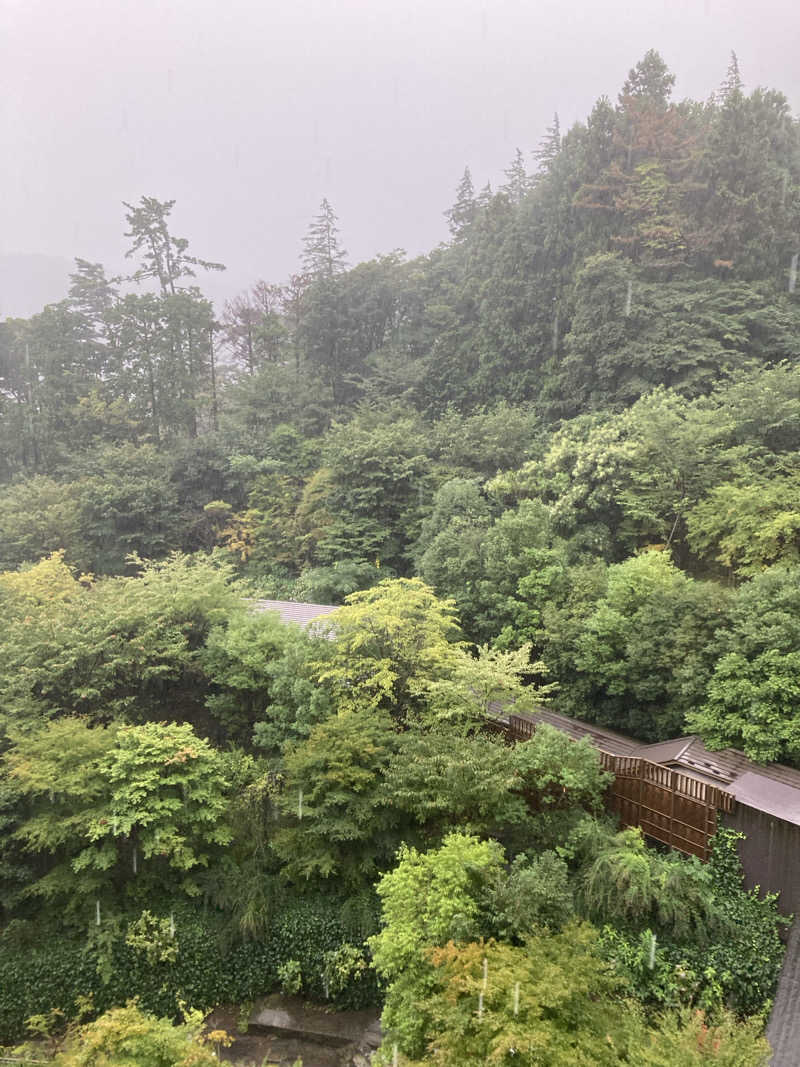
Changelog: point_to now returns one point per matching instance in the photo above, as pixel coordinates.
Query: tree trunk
(214, 410)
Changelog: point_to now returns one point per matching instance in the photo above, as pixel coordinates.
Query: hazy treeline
(602, 359)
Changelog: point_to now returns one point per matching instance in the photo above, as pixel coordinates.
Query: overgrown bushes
(738, 966)
(37, 975)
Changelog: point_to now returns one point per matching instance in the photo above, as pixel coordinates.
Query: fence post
(673, 785)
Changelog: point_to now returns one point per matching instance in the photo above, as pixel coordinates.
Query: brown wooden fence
(518, 729)
(670, 807)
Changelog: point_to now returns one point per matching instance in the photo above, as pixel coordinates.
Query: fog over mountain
(249, 113)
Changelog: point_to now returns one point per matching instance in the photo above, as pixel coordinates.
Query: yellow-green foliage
(118, 646)
(551, 1003)
(391, 641)
(428, 899)
(554, 1003)
(105, 805)
(129, 1037)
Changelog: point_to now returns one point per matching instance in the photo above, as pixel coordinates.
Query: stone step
(294, 1016)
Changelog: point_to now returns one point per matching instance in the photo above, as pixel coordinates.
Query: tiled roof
(606, 740)
(294, 611)
(771, 788)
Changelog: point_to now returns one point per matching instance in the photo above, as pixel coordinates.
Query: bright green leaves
(499, 573)
(753, 694)
(554, 1003)
(750, 526)
(550, 1002)
(551, 991)
(120, 647)
(478, 686)
(261, 679)
(403, 758)
(391, 642)
(556, 773)
(106, 805)
(129, 1037)
(339, 819)
(428, 899)
(439, 781)
(396, 648)
(167, 794)
(59, 770)
(645, 648)
(626, 882)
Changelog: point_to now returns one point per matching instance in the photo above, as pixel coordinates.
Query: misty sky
(248, 112)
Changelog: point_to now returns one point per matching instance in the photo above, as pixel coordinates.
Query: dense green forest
(556, 459)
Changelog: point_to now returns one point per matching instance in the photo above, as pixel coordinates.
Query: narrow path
(783, 1029)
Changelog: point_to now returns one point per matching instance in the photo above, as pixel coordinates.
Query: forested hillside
(554, 459)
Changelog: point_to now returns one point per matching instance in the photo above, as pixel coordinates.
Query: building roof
(772, 788)
(763, 793)
(606, 740)
(294, 611)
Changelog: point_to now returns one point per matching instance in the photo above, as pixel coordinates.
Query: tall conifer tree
(733, 81)
(549, 147)
(323, 257)
(164, 256)
(649, 80)
(462, 214)
(518, 182)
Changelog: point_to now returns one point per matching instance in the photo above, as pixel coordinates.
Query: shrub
(56, 975)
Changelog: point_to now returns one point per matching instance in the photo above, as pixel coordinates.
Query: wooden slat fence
(669, 806)
(520, 729)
